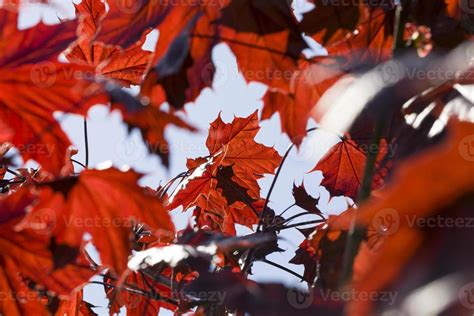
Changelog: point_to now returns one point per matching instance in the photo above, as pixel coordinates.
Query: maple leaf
(28, 255)
(363, 38)
(450, 161)
(230, 173)
(304, 200)
(35, 85)
(343, 168)
(266, 44)
(127, 66)
(308, 84)
(76, 306)
(182, 71)
(99, 201)
(149, 119)
(330, 22)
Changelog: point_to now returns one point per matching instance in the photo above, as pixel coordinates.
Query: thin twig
(272, 186)
(318, 221)
(79, 163)
(86, 141)
(283, 268)
(13, 172)
(286, 209)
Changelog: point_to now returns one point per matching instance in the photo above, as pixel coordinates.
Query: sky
(230, 95)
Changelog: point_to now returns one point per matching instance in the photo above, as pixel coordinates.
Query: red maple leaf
(35, 84)
(235, 163)
(99, 201)
(343, 168)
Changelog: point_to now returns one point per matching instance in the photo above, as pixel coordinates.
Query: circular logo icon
(43, 74)
(467, 6)
(215, 74)
(390, 72)
(128, 6)
(466, 148)
(129, 150)
(42, 221)
(386, 222)
(466, 295)
(300, 299)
